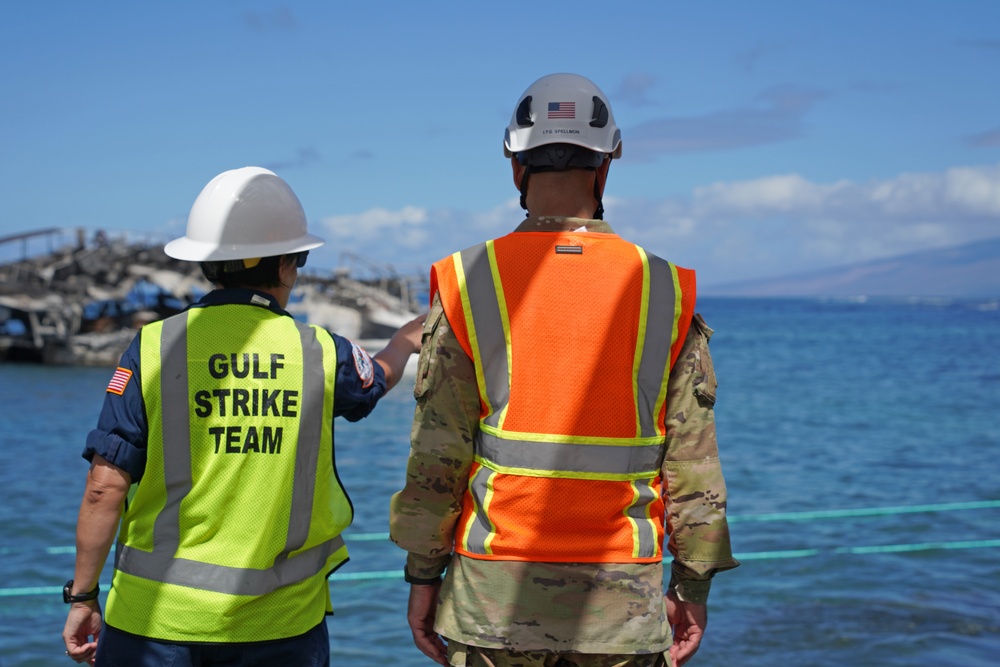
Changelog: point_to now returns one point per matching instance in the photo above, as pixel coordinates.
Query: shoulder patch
(119, 381)
(364, 365)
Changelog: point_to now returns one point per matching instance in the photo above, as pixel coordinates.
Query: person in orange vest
(564, 429)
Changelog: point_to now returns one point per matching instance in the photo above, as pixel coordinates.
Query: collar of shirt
(240, 295)
(553, 223)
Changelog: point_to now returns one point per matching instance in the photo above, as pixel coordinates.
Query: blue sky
(759, 138)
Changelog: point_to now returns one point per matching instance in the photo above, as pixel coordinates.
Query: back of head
(241, 216)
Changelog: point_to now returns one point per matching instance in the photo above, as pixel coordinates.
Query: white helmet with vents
(563, 109)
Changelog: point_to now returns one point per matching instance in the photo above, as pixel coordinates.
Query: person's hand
(397, 351)
(688, 621)
(420, 615)
(83, 622)
(412, 332)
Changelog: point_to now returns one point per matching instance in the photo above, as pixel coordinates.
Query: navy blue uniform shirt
(120, 436)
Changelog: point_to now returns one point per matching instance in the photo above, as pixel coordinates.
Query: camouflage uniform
(545, 608)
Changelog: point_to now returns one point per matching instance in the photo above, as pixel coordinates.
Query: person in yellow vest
(220, 419)
(563, 429)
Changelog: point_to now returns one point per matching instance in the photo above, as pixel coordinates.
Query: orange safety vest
(573, 335)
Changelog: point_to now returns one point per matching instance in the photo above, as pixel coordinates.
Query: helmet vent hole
(524, 113)
(600, 116)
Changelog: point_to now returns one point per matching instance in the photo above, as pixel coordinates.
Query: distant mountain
(971, 270)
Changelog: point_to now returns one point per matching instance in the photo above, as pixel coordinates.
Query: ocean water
(859, 441)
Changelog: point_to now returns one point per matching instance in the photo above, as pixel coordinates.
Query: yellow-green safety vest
(235, 524)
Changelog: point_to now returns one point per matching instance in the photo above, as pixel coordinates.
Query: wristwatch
(69, 598)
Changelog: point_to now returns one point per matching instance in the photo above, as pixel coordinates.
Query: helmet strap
(599, 213)
(524, 189)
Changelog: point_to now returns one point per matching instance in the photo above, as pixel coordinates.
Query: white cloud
(962, 192)
(772, 195)
(411, 238)
(729, 231)
(975, 189)
(406, 227)
(783, 223)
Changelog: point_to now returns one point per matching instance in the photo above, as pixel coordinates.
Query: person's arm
(100, 512)
(397, 351)
(696, 492)
(362, 379)
(424, 513)
(116, 451)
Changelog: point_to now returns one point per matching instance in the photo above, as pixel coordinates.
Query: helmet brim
(200, 251)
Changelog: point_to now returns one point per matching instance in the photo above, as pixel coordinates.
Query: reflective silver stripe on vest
(165, 568)
(176, 429)
(161, 564)
(310, 432)
(648, 543)
(489, 328)
(656, 350)
(480, 528)
(543, 456)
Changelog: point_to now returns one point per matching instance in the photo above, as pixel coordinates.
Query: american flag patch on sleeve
(119, 380)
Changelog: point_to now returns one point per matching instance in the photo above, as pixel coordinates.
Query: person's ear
(287, 269)
(518, 171)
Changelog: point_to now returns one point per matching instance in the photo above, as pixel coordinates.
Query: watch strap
(69, 598)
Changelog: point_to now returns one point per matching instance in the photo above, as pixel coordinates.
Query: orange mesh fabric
(686, 281)
(574, 319)
(445, 280)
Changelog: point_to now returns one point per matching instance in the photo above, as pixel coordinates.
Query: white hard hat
(563, 109)
(241, 214)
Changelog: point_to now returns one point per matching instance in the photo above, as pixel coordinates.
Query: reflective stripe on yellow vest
(570, 441)
(236, 522)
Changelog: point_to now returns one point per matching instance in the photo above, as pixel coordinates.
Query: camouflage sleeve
(695, 488)
(423, 514)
